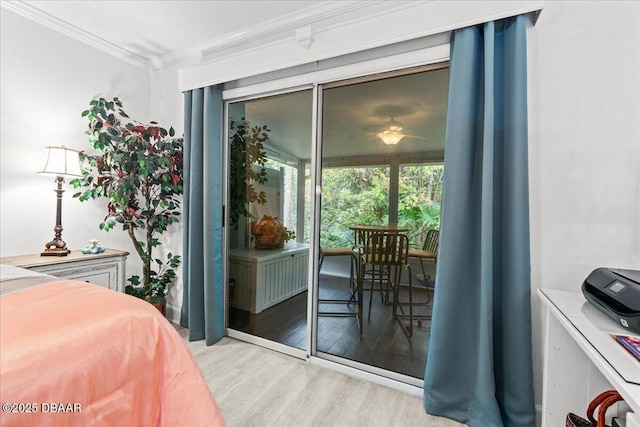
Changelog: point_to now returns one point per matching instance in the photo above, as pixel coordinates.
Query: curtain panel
(479, 366)
(203, 287)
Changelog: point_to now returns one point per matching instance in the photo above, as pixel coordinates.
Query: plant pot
(162, 307)
(268, 242)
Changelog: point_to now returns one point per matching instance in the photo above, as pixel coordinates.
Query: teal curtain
(479, 366)
(203, 287)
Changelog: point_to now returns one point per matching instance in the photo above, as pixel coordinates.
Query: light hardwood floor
(255, 386)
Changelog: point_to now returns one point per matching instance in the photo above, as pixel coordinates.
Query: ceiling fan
(391, 132)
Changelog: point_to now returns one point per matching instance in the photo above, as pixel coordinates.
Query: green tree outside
(359, 195)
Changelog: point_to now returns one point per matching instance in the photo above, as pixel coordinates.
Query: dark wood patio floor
(382, 344)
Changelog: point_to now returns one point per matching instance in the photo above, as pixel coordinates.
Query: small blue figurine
(93, 248)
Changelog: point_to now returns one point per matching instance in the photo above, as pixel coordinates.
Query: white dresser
(105, 269)
(266, 277)
(581, 360)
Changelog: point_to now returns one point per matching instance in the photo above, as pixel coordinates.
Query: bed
(77, 354)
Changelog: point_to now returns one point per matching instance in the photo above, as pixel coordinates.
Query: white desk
(266, 277)
(581, 360)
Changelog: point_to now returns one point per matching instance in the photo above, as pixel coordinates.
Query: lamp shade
(62, 161)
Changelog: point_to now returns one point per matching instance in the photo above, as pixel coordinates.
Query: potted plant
(246, 152)
(139, 169)
(270, 233)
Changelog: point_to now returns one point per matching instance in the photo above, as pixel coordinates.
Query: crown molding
(76, 33)
(382, 24)
(316, 21)
(270, 30)
(289, 22)
(275, 28)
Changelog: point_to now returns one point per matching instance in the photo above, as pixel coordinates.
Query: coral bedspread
(76, 354)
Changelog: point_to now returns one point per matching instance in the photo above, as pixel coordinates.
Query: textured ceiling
(350, 113)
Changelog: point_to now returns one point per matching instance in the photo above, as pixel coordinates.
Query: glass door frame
(233, 333)
(411, 382)
(365, 70)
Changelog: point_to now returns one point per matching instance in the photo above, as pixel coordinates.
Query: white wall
(584, 138)
(167, 107)
(47, 80)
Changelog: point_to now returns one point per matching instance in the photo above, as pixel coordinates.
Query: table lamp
(61, 162)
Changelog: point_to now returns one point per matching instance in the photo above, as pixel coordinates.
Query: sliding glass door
(382, 153)
(268, 217)
(380, 148)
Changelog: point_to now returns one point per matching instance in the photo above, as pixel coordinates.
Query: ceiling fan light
(391, 136)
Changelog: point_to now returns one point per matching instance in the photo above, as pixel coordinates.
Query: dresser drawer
(105, 276)
(106, 269)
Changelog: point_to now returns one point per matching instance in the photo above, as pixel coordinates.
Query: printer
(617, 293)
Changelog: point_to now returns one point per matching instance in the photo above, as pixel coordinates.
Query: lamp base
(55, 252)
(56, 247)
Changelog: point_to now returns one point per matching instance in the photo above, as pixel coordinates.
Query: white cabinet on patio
(264, 278)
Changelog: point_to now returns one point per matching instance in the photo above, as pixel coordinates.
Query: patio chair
(382, 258)
(429, 251)
(355, 297)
